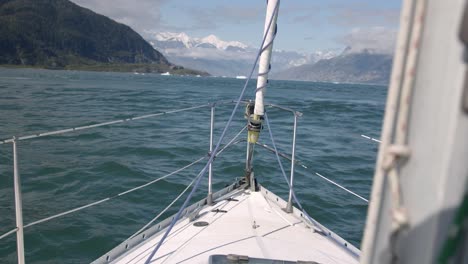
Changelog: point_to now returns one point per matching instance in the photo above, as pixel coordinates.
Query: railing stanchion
(289, 207)
(210, 172)
(18, 206)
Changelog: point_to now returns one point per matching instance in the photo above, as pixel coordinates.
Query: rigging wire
(8, 233)
(130, 190)
(232, 142)
(371, 138)
(112, 122)
(279, 160)
(163, 211)
(202, 172)
(113, 197)
(313, 221)
(340, 186)
(316, 173)
(68, 130)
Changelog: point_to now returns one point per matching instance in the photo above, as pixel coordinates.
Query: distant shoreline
(179, 72)
(332, 82)
(130, 68)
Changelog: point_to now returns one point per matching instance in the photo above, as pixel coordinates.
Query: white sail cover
(425, 132)
(264, 65)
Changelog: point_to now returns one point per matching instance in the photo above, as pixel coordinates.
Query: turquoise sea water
(66, 171)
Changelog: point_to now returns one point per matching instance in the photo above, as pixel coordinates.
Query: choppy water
(62, 172)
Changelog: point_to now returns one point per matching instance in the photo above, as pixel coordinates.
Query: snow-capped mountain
(178, 39)
(233, 58)
(355, 67)
(223, 58)
(219, 44)
(182, 39)
(294, 59)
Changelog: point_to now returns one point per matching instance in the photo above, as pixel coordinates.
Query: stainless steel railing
(19, 230)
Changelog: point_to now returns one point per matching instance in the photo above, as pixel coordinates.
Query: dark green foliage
(59, 33)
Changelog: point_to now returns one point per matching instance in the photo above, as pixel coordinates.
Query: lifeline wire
(316, 173)
(279, 161)
(349, 191)
(371, 138)
(231, 142)
(8, 233)
(202, 172)
(122, 193)
(185, 190)
(125, 192)
(163, 211)
(317, 224)
(107, 123)
(68, 130)
(307, 216)
(112, 197)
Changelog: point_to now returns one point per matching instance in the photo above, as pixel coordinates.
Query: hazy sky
(303, 25)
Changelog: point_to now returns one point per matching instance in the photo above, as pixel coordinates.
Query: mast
(255, 112)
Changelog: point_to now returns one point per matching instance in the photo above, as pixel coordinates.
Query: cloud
(140, 15)
(211, 54)
(207, 18)
(357, 24)
(343, 14)
(311, 38)
(294, 13)
(362, 15)
(366, 25)
(144, 15)
(375, 39)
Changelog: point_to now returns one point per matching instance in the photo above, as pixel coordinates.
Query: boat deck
(248, 224)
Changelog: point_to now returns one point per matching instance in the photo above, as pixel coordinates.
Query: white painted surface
(433, 178)
(265, 57)
(277, 235)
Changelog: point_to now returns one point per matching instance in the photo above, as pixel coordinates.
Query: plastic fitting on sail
(254, 123)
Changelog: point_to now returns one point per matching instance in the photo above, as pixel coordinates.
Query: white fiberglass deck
(250, 224)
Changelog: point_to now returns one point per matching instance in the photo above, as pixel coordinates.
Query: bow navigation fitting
(254, 127)
(254, 123)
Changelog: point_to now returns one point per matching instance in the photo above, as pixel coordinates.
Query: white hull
(249, 224)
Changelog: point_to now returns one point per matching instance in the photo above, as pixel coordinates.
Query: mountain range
(223, 58)
(182, 40)
(233, 58)
(59, 34)
(363, 67)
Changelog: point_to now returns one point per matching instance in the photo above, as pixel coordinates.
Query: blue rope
(279, 161)
(284, 174)
(203, 171)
